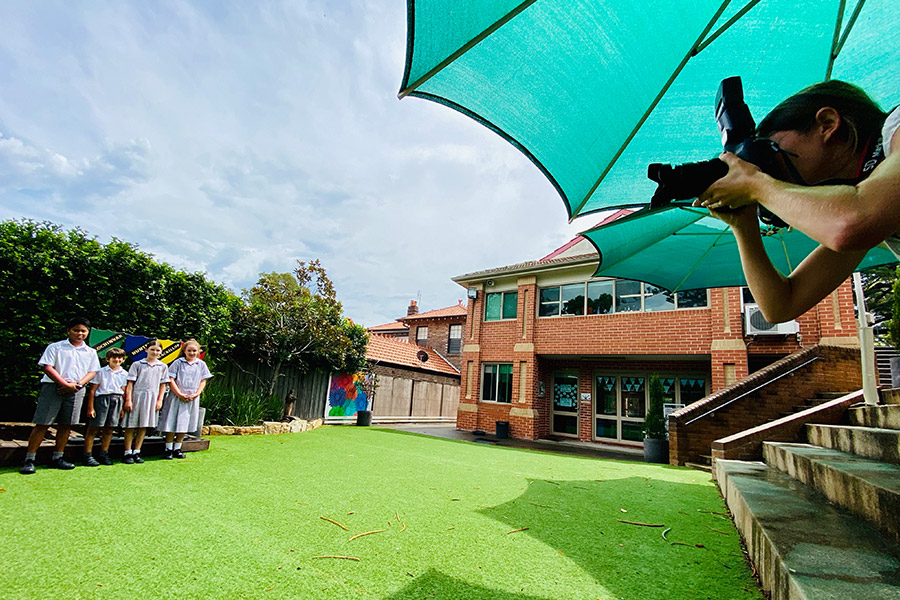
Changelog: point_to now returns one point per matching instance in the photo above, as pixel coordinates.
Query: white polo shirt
(71, 362)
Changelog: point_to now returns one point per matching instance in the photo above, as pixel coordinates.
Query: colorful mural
(347, 395)
(135, 346)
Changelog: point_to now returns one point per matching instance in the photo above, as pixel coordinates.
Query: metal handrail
(756, 389)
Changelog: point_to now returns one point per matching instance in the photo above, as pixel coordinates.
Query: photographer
(829, 132)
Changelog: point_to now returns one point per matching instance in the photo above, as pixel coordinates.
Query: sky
(236, 138)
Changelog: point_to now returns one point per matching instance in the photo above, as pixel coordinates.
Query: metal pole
(866, 344)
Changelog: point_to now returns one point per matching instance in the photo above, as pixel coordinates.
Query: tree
(296, 319)
(878, 288)
(48, 275)
(655, 422)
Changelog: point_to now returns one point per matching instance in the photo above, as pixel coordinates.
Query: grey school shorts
(107, 408)
(52, 408)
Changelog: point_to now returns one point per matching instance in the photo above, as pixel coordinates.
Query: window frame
(421, 341)
(496, 382)
(620, 415)
(451, 339)
(503, 304)
(642, 295)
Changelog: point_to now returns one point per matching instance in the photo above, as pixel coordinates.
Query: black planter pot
(364, 418)
(656, 451)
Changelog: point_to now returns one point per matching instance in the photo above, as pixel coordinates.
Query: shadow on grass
(700, 556)
(434, 584)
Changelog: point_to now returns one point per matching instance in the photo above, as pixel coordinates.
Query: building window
(454, 342)
(610, 296)
(621, 400)
(496, 383)
(500, 305)
(422, 336)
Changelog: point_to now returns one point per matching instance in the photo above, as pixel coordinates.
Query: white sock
(57, 455)
(177, 445)
(30, 455)
(169, 445)
(128, 452)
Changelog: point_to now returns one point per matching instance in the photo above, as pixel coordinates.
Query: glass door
(620, 405)
(564, 420)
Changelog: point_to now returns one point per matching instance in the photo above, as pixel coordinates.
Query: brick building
(440, 329)
(413, 382)
(557, 352)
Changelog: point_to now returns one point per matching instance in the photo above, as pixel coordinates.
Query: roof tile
(388, 350)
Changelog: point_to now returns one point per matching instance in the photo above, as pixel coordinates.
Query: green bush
(229, 405)
(48, 275)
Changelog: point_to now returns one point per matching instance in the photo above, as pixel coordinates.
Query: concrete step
(870, 442)
(802, 546)
(886, 416)
(867, 488)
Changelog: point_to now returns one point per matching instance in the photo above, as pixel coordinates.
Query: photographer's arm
(783, 298)
(840, 217)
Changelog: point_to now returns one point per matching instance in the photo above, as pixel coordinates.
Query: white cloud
(236, 139)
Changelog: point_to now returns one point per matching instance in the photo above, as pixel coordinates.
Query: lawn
(452, 520)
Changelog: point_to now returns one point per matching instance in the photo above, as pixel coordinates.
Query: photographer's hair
(190, 342)
(115, 353)
(861, 118)
(75, 321)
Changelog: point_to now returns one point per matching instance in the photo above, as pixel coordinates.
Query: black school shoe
(167, 454)
(128, 460)
(61, 463)
(137, 458)
(178, 453)
(104, 459)
(27, 468)
(90, 461)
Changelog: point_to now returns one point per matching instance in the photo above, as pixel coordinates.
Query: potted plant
(656, 443)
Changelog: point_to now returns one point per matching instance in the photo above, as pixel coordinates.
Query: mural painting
(347, 395)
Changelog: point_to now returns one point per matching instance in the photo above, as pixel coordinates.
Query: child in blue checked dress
(181, 407)
(147, 379)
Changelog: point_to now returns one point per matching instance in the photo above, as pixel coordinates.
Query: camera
(738, 131)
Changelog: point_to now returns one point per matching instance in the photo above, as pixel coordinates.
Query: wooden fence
(310, 389)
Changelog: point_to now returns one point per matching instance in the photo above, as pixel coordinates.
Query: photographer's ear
(828, 123)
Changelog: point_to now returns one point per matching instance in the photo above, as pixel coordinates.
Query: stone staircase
(821, 520)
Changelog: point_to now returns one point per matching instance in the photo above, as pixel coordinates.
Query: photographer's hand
(738, 188)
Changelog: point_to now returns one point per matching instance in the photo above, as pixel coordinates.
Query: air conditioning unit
(756, 324)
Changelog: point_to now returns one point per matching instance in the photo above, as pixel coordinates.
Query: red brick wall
(439, 336)
(835, 370)
(712, 336)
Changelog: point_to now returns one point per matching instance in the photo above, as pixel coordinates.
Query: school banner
(135, 346)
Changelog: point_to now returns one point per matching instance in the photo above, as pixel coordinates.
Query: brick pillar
(728, 352)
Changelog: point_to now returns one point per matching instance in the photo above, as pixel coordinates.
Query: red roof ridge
(457, 310)
(622, 212)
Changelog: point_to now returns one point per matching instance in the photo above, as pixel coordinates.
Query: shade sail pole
(662, 92)
(866, 344)
(465, 48)
(838, 44)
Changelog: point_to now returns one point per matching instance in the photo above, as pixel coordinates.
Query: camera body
(738, 131)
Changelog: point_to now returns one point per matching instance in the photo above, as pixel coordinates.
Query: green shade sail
(683, 248)
(592, 91)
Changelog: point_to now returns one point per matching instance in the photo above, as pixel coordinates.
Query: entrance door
(564, 420)
(620, 405)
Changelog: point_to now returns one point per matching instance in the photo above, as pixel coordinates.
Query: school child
(147, 379)
(68, 365)
(104, 403)
(181, 408)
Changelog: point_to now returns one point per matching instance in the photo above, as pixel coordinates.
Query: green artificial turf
(243, 520)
